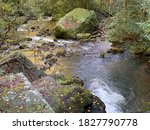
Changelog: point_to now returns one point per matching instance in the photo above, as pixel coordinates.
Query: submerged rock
(77, 21)
(115, 50)
(102, 54)
(18, 95)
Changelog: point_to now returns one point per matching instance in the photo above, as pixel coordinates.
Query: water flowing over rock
(77, 21)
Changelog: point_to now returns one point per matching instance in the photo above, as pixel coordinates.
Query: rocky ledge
(22, 92)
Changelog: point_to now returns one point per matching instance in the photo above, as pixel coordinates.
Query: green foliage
(132, 25)
(145, 25)
(124, 25)
(8, 22)
(59, 8)
(123, 28)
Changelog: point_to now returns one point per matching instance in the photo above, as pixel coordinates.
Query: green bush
(59, 8)
(123, 28)
(145, 25)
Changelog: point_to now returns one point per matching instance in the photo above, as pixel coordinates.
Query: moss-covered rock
(59, 51)
(22, 62)
(18, 95)
(68, 80)
(77, 21)
(83, 36)
(70, 97)
(115, 50)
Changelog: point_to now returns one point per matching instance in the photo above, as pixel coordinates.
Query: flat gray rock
(17, 95)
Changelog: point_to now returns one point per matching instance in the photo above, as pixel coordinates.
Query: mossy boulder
(71, 97)
(17, 95)
(77, 21)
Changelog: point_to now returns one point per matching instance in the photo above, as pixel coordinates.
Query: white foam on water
(66, 41)
(111, 98)
(45, 39)
(36, 38)
(23, 28)
(85, 48)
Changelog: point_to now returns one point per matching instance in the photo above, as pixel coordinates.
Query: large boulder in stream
(18, 95)
(77, 21)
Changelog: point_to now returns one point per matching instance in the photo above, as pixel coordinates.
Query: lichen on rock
(18, 95)
(69, 96)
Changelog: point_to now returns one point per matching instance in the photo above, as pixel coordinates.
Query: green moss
(68, 80)
(73, 99)
(8, 95)
(138, 49)
(145, 108)
(77, 21)
(148, 51)
(34, 108)
(115, 50)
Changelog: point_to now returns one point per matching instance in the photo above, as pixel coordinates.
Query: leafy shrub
(123, 28)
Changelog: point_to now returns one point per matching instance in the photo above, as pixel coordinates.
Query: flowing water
(122, 83)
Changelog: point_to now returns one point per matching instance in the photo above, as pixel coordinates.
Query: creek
(121, 82)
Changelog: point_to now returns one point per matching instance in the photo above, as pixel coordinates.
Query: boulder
(77, 21)
(17, 95)
(24, 62)
(69, 98)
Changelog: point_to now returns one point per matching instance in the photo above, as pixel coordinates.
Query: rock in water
(115, 50)
(77, 21)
